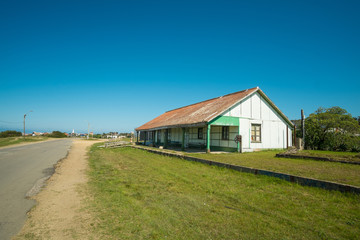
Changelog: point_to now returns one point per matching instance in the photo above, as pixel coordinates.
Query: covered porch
(217, 135)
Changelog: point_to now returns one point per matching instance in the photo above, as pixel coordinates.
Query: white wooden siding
(275, 132)
(256, 110)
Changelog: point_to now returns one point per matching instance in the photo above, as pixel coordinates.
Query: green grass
(342, 156)
(16, 140)
(91, 139)
(140, 195)
(124, 139)
(329, 171)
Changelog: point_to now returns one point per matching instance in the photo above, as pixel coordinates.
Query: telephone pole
(24, 121)
(303, 128)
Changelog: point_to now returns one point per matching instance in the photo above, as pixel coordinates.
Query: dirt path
(60, 212)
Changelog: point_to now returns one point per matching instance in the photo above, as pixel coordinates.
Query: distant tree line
(10, 133)
(331, 129)
(97, 135)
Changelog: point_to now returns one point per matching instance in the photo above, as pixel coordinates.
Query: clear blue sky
(119, 64)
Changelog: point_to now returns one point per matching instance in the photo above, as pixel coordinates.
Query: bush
(355, 148)
(57, 134)
(10, 133)
(354, 144)
(332, 129)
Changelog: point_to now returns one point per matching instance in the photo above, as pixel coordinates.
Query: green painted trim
(225, 121)
(208, 138)
(175, 144)
(197, 146)
(225, 149)
(238, 144)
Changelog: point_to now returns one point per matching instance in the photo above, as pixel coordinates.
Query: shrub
(57, 134)
(10, 133)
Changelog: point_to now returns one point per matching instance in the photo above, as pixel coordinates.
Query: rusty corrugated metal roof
(198, 113)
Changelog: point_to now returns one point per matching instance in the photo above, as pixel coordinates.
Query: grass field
(15, 140)
(140, 195)
(342, 156)
(330, 171)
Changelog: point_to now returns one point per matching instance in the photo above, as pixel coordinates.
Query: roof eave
(276, 108)
(215, 116)
(199, 124)
(266, 98)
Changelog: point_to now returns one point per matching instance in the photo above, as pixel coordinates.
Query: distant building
(37, 134)
(111, 136)
(218, 124)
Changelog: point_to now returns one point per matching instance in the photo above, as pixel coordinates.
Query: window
(255, 132)
(158, 135)
(225, 133)
(200, 133)
(169, 134)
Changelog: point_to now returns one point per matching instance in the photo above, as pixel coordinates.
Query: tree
(357, 119)
(57, 134)
(331, 129)
(97, 136)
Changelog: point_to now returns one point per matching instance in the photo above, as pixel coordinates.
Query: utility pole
(24, 121)
(303, 128)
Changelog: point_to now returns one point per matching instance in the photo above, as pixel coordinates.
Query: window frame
(158, 137)
(257, 132)
(169, 134)
(200, 133)
(225, 131)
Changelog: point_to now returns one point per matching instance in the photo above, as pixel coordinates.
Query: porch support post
(145, 137)
(183, 139)
(166, 138)
(238, 144)
(208, 138)
(154, 136)
(158, 137)
(294, 136)
(137, 137)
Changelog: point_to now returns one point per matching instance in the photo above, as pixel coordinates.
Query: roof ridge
(213, 99)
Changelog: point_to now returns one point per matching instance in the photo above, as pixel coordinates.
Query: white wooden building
(216, 123)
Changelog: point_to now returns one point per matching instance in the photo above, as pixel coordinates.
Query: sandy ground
(60, 212)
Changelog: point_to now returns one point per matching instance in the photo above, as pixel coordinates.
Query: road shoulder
(60, 212)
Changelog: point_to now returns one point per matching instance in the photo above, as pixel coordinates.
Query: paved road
(22, 170)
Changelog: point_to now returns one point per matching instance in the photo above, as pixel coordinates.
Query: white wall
(256, 110)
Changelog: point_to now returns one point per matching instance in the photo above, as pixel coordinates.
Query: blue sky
(119, 64)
